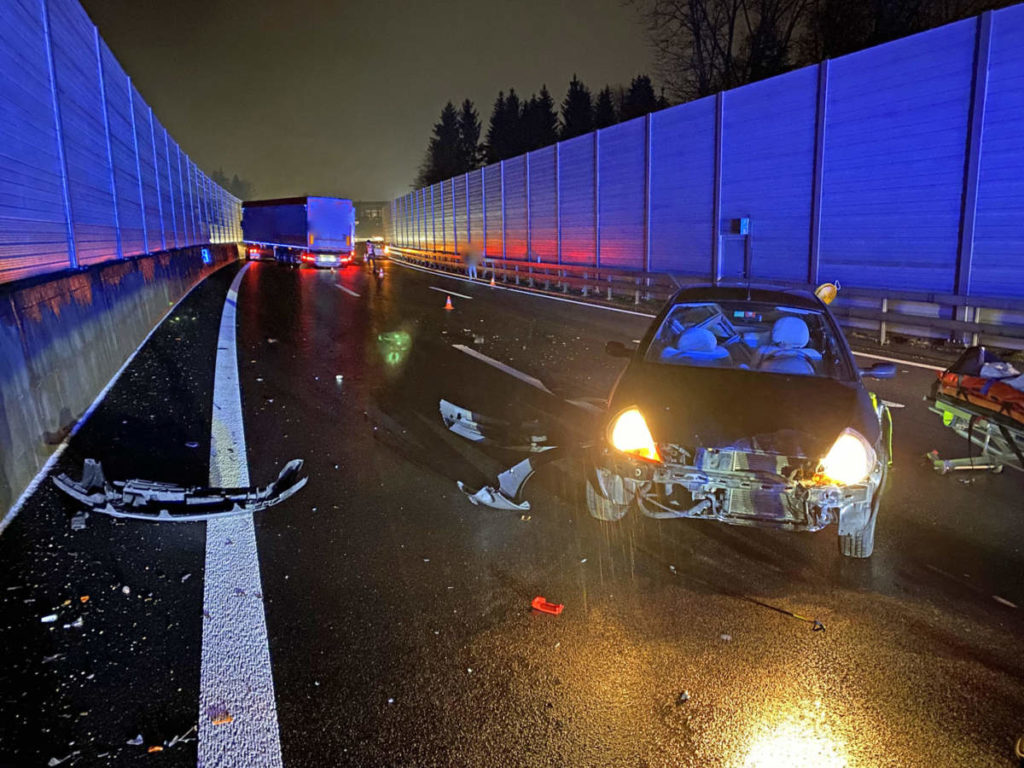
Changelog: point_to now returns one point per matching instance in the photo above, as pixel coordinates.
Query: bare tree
(704, 46)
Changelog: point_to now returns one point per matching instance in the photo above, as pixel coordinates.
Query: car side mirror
(618, 349)
(880, 371)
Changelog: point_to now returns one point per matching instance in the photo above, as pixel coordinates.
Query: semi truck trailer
(315, 231)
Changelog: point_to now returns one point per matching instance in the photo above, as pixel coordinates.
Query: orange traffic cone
(492, 281)
(448, 303)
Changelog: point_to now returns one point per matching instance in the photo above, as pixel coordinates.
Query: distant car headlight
(629, 433)
(850, 459)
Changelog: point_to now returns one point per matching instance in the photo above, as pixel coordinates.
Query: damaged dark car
(744, 405)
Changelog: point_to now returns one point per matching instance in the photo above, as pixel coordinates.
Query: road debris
(182, 739)
(540, 604)
(155, 748)
(136, 742)
(725, 637)
(76, 624)
(186, 577)
(78, 521)
(222, 719)
(58, 760)
(49, 618)
(126, 589)
(84, 599)
(191, 444)
(683, 697)
(55, 657)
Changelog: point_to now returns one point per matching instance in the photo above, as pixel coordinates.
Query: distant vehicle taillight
(309, 258)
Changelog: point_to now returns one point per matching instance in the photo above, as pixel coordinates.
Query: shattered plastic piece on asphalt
(136, 742)
(126, 589)
(186, 577)
(54, 761)
(817, 626)
(526, 518)
(78, 521)
(55, 657)
(192, 444)
(49, 619)
(183, 738)
(540, 604)
(683, 697)
(152, 500)
(725, 637)
(223, 719)
(155, 748)
(490, 497)
(76, 624)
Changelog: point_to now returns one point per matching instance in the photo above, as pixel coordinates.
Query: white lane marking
(235, 679)
(524, 377)
(453, 293)
(542, 295)
(537, 294)
(349, 291)
(1004, 601)
(911, 363)
(45, 470)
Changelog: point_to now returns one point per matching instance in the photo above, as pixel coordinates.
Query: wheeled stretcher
(987, 412)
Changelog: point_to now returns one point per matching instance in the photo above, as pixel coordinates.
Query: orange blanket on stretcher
(986, 393)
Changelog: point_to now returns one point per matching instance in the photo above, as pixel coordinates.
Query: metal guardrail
(965, 320)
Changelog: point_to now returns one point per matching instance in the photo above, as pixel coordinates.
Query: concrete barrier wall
(62, 338)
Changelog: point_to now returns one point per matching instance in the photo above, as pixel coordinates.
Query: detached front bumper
(716, 490)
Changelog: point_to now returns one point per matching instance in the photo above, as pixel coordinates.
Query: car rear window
(747, 335)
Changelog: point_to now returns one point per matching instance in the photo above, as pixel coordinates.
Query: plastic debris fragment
(683, 697)
(136, 742)
(542, 605)
(78, 521)
(223, 719)
(49, 619)
(155, 748)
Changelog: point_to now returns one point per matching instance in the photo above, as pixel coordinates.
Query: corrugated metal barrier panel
(576, 197)
(543, 205)
(622, 157)
(458, 192)
(682, 186)
(999, 229)
(895, 139)
(476, 208)
(85, 140)
(448, 213)
(515, 208)
(122, 151)
(768, 172)
(33, 227)
(492, 191)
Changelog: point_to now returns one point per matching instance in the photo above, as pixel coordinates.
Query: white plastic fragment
(49, 619)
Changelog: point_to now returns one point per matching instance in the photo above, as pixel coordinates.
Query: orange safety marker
(492, 281)
(542, 605)
(448, 303)
(223, 719)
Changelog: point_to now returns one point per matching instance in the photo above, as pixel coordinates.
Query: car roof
(771, 294)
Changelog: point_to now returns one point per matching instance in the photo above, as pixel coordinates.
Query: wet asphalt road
(398, 614)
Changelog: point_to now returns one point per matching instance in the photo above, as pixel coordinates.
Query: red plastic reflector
(542, 605)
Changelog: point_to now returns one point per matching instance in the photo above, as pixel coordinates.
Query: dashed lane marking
(452, 293)
(524, 377)
(237, 710)
(349, 291)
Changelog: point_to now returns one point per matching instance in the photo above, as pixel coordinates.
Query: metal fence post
(529, 239)
(156, 177)
(58, 125)
(504, 232)
(558, 201)
(433, 221)
(170, 188)
(716, 204)
(648, 129)
(597, 199)
(469, 212)
(106, 133)
(820, 123)
(969, 198)
(191, 202)
(138, 165)
(483, 204)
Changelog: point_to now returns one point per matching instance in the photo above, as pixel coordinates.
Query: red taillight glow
(309, 258)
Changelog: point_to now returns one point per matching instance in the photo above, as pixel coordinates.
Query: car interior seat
(695, 346)
(788, 351)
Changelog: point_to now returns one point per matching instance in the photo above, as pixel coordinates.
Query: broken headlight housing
(628, 432)
(849, 461)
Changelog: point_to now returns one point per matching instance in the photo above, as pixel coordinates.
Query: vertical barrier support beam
(444, 222)
(433, 221)
(156, 177)
(483, 204)
(469, 214)
(558, 200)
(58, 125)
(529, 237)
(969, 198)
(647, 191)
(106, 133)
(716, 198)
(138, 164)
(597, 199)
(170, 188)
(820, 123)
(181, 188)
(504, 230)
(191, 202)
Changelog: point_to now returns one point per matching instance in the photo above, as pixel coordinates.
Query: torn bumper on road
(153, 500)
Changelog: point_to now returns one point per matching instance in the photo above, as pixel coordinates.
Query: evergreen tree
(469, 137)
(516, 140)
(604, 109)
(639, 99)
(496, 135)
(577, 110)
(442, 158)
(540, 124)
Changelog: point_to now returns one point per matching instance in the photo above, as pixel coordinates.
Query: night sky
(338, 98)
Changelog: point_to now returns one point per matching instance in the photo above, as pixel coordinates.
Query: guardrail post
(883, 325)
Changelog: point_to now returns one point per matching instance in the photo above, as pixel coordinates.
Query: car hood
(732, 408)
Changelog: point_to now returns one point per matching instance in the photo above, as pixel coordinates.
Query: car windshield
(748, 335)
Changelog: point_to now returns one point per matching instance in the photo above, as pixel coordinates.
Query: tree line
(521, 125)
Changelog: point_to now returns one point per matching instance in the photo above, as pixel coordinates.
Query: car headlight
(850, 459)
(629, 433)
